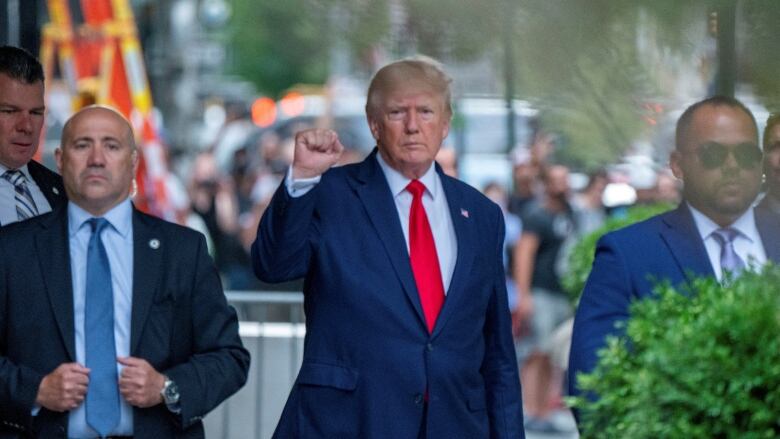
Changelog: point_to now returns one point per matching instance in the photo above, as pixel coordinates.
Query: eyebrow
(91, 139)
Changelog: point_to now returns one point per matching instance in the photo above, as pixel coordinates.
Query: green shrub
(703, 364)
(580, 259)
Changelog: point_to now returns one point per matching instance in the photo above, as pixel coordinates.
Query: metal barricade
(272, 330)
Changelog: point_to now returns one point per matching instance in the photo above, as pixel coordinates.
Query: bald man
(115, 322)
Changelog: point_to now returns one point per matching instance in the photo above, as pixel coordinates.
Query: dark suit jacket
(181, 324)
(368, 357)
(49, 182)
(665, 247)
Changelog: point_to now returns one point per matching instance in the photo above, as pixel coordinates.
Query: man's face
(21, 119)
(772, 161)
(719, 163)
(557, 182)
(409, 127)
(97, 160)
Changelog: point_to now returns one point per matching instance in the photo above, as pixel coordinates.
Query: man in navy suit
(715, 228)
(408, 328)
(163, 349)
(21, 119)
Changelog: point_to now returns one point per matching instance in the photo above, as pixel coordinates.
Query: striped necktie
(25, 205)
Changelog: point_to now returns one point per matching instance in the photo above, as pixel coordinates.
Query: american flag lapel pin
(464, 212)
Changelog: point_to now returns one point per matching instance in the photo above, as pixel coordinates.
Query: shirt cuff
(299, 187)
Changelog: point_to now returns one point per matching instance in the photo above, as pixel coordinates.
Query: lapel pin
(55, 190)
(154, 244)
(464, 212)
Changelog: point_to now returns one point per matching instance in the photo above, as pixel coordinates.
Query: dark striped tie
(25, 205)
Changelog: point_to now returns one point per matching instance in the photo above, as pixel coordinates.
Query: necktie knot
(725, 235)
(97, 225)
(15, 177)
(416, 188)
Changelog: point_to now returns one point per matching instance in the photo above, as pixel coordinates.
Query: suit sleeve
(281, 251)
(218, 364)
(605, 301)
(499, 367)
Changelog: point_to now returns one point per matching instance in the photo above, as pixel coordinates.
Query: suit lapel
(148, 248)
(54, 258)
(464, 234)
(374, 193)
(683, 240)
(48, 189)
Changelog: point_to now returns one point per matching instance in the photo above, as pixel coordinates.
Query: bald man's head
(97, 159)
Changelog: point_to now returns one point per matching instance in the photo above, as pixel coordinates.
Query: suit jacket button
(429, 347)
(418, 399)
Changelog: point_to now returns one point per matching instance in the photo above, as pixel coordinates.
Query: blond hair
(418, 70)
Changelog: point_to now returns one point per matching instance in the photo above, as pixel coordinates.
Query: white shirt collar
(398, 181)
(745, 224)
(120, 217)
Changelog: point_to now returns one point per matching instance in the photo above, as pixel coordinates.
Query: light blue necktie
(25, 205)
(729, 259)
(103, 393)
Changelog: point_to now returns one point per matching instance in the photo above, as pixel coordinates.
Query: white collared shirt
(434, 201)
(118, 241)
(747, 244)
(8, 194)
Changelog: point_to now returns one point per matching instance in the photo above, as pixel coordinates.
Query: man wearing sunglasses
(771, 201)
(714, 231)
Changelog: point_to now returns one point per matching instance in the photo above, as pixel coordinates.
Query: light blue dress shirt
(118, 241)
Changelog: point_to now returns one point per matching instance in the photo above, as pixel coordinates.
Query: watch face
(170, 392)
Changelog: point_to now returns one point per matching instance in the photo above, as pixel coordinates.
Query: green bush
(580, 259)
(703, 364)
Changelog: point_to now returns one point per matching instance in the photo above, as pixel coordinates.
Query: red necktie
(422, 253)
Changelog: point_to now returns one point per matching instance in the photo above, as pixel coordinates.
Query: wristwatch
(170, 394)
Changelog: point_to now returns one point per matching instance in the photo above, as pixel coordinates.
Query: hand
(139, 383)
(521, 316)
(64, 388)
(316, 150)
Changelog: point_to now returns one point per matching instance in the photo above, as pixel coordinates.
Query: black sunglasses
(713, 155)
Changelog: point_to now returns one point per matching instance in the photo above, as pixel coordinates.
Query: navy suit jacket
(181, 324)
(368, 356)
(628, 264)
(50, 184)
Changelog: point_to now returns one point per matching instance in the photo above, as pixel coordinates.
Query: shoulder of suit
(167, 227)
(644, 228)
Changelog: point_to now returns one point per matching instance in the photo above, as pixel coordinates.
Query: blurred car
(481, 137)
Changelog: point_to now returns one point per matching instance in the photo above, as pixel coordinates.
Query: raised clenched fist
(316, 150)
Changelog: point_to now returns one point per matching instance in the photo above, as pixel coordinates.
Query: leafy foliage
(703, 363)
(582, 254)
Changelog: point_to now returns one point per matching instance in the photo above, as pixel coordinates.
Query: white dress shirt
(434, 201)
(118, 241)
(8, 194)
(747, 244)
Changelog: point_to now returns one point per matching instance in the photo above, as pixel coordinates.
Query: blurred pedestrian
(542, 304)
(771, 201)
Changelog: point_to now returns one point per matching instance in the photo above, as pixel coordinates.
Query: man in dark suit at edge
(408, 328)
(113, 323)
(27, 188)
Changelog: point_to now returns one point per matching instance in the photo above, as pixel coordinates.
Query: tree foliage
(699, 363)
